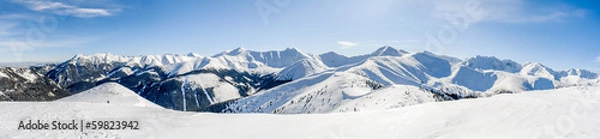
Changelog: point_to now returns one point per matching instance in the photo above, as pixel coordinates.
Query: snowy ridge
(492, 63)
(112, 94)
(301, 69)
(333, 59)
(276, 59)
(388, 51)
(539, 70)
(142, 61)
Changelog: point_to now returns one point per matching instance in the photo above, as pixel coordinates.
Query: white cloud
(598, 59)
(64, 9)
(555, 16)
(20, 49)
(347, 44)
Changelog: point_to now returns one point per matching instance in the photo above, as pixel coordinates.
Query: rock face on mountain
(28, 84)
(288, 81)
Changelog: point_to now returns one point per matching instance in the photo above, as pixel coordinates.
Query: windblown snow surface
(570, 112)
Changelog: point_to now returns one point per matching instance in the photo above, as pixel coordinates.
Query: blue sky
(558, 33)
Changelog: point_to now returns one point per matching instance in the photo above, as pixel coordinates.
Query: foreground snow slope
(111, 93)
(562, 113)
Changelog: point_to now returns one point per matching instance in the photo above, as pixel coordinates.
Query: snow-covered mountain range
(291, 81)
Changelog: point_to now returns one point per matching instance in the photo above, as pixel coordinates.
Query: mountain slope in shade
(28, 84)
(110, 93)
(90, 69)
(157, 78)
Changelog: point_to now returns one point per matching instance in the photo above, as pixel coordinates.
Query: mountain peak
(239, 49)
(581, 73)
(193, 55)
(332, 53)
(428, 53)
(294, 51)
(534, 64)
(388, 51)
(235, 51)
(291, 49)
(78, 56)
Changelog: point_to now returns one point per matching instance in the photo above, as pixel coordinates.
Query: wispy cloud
(20, 50)
(64, 9)
(10, 24)
(347, 44)
(555, 16)
(14, 27)
(16, 17)
(20, 45)
(507, 11)
(5, 29)
(598, 59)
